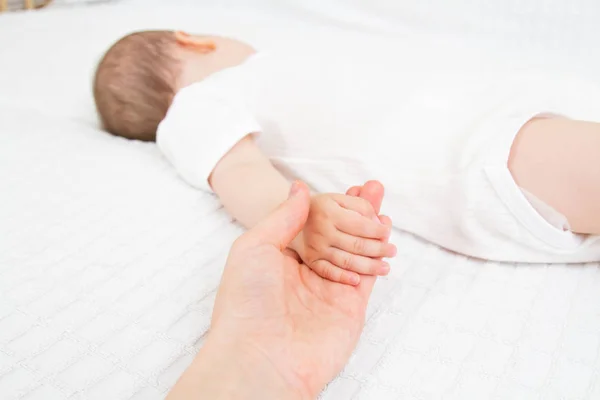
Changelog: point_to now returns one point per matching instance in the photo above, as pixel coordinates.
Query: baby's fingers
(327, 270)
(384, 219)
(355, 224)
(363, 247)
(358, 264)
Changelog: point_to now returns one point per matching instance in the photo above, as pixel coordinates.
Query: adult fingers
(373, 192)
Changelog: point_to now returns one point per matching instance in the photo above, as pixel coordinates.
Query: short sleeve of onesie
(201, 126)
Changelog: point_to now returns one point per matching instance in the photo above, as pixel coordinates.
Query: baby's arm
(248, 185)
(342, 236)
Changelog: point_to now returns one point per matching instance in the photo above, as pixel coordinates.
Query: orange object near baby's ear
(195, 42)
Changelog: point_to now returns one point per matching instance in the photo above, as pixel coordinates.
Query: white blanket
(109, 263)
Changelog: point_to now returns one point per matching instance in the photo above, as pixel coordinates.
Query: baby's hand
(343, 238)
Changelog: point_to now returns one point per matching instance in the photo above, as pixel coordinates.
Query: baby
(491, 164)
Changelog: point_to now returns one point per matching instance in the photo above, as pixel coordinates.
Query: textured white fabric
(109, 265)
(438, 138)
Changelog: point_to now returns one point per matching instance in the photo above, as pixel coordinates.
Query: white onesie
(437, 137)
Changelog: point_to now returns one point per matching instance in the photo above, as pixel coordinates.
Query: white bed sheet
(109, 263)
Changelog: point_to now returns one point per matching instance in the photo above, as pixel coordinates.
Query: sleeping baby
(497, 165)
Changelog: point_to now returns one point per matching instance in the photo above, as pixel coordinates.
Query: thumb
(282, 225)
(373, 192)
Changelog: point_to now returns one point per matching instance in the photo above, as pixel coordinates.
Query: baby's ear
(195, 43)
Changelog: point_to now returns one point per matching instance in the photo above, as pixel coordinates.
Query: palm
(299, 314)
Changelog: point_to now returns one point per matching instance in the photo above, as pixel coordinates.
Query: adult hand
(278, 330)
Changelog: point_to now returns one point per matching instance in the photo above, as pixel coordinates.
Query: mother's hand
(275, 319)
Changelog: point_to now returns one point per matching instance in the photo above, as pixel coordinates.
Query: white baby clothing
(438, 138)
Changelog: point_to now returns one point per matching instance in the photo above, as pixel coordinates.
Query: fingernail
(385, 269)
(354, 279)
(295, 189)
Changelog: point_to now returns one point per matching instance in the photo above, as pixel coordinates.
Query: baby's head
(140, 74)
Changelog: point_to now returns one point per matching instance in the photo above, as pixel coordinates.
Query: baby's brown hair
(135, 84)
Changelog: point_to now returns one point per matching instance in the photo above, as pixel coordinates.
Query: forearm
(247, 183)
(221, 372)
(251, 191)
(558, 160)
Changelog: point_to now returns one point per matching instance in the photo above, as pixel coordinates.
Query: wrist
(229, 371)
